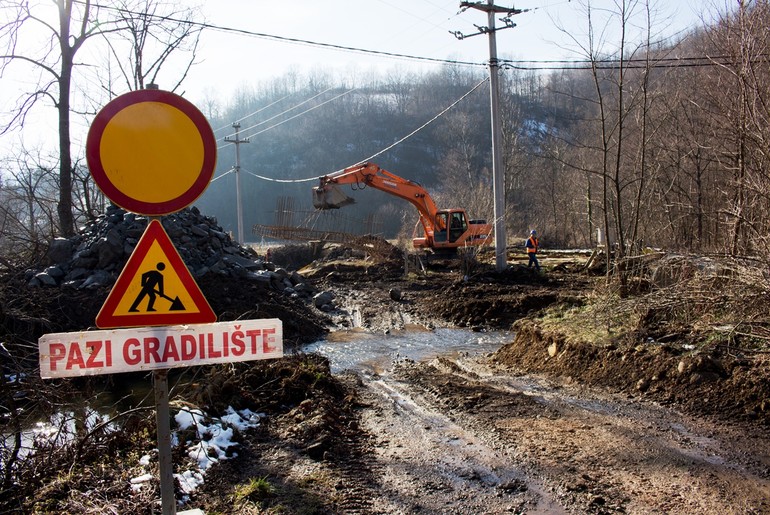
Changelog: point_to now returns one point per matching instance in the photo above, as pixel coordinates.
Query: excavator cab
(457, 225)
(440, 233)
(450, 225)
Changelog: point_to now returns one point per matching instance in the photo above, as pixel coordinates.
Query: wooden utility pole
(237, 142)
(498, 171)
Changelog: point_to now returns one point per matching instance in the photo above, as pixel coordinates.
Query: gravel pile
(95, 257)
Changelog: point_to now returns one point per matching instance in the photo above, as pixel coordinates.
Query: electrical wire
(302, 113)
(284, 112)
(285, 39)
(513, 64)
(228, 172)
(389, 147)
(613, 64)
(271, 179)
(439, 115)
(271, 104)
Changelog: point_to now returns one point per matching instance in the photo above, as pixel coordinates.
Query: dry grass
(711, 301)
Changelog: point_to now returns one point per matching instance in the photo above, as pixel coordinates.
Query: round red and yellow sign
(151, 152)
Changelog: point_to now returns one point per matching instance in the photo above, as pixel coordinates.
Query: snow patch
(214, 436)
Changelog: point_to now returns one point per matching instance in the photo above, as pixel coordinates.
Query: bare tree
(56, 61)
(75, 24)
(621, 62)
(151, 38)
(742, 40)
(28, 199)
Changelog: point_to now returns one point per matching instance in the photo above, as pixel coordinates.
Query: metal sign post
(162, 419)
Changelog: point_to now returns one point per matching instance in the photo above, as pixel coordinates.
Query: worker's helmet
(533, 232)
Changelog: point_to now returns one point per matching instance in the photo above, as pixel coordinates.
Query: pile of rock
(95, 257)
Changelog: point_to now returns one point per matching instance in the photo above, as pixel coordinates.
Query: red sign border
(93, 152)
(107, 319)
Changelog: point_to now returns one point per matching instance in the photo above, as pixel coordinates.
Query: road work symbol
(152, 287)
(155, 288)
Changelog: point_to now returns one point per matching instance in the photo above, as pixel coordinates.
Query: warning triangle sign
(154, 288)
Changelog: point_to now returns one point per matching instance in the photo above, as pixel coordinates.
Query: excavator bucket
(330, 197)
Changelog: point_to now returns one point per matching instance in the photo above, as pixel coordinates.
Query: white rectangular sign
(151, 348)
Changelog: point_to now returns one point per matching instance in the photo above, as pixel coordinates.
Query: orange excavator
(443, 230)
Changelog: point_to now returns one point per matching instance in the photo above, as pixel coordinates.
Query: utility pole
(237, 142)
(498, 171)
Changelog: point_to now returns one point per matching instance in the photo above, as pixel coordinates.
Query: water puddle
(362, 351)
(697, 447)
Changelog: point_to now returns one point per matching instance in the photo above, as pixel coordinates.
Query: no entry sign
(151, 152)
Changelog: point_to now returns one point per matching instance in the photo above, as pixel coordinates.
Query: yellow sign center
(151, 152)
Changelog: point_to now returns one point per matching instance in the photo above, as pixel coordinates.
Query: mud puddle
(431, 462)
(367, 352)
(427, 460)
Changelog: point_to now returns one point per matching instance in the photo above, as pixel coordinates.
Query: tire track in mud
(355, 478)
(602, 454)
(432, 464)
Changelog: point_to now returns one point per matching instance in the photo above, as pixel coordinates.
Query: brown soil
(661, 415)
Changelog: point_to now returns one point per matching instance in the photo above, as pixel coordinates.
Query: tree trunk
(64, 207)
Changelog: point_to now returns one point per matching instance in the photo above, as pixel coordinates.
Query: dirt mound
(233, 299)
(496, 300)
(711, 383)
(28, 313)
(311, 424)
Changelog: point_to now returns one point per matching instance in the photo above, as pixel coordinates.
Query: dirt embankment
(708, 382)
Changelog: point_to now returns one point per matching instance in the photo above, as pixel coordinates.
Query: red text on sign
(98, 354)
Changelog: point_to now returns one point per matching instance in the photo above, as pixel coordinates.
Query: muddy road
(473, 433)
(455, 435)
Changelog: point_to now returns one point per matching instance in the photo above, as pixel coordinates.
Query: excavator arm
(438, 235)
(327, 195)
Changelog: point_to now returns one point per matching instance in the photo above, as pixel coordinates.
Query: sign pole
(162, 419)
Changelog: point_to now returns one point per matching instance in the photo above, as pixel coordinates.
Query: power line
(615, 64)
(281, 113)
(439, 115)
(286, 39)
(271, 104)
(228, 172)
(581, 64)
(270, 179)
(398, 142)
(295, 116)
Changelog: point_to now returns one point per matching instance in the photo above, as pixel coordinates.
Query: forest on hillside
(657, 145)
(654, 143)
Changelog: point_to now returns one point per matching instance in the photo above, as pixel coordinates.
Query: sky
(231, 60)
(420, 28)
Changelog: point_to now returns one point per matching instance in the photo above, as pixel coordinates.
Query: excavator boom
(443, 229)
(328, 196)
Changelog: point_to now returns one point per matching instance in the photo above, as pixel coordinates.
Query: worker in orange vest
(532, 245)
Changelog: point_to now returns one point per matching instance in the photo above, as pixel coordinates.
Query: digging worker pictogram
(152, 287)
